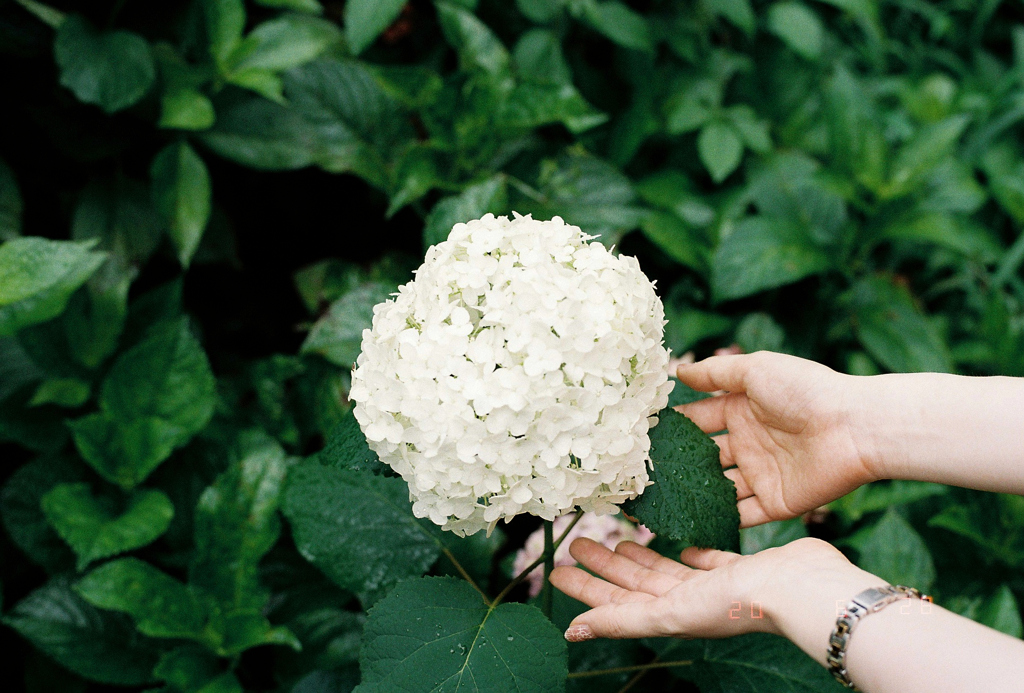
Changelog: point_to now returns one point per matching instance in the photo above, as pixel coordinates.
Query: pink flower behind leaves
(604, 529)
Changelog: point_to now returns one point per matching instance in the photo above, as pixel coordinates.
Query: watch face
(870, 596)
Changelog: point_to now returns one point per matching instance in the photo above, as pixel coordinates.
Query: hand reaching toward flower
(792, 442)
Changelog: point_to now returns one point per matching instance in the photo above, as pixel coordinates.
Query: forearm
(907, 647)
(957, 430)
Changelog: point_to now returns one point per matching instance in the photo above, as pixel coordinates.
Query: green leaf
(64, 392)
(98, 645)
(1000, 611)
(770, 534)
(478, 47)
(437, 634)
(93, 527)
(540, 11)
(619, 23)
(263, 135)
(538, 57)
(10, 204)
(310, 6)
(155, 398)
(893, 329)
(894, 551)
(166, 376)
(161, 606)
(472, 203)
(790, 185)
(752, 663)
(532, 105)
(186, 109)
(686, 327)
(366, 19)
(236, 523)
(752, 129)
(23, 517)
(346, 448)
(191, 669)
(673, 191)
(124, 452)
(923, 153)
(679, 241)
(283, 43)
(739, 13)
(762, 253)
(38, 276)
(328, 505)
(337, 336)
(266, 83)
(883, 495)
(225, 22)
(720, 149)
(992, 522)
(119, 214)
(759, 332)
(111, 69)
(798, 26)
(181, 194)
(691, 500)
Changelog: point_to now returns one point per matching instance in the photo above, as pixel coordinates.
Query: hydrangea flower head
(519, 372)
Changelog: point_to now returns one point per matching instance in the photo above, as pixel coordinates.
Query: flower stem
(635, 667)
(549, 565)
(529, 569)
(462, 571)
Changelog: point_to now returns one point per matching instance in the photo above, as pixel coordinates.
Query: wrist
(885, 410)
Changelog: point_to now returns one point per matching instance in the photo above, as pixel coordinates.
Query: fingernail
(579, 633)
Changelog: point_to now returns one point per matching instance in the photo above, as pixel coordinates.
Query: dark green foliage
(691, 501)
(202, 200)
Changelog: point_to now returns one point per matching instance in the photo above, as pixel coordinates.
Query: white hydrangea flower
(519, 372)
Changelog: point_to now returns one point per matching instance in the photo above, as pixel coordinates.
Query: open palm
(791, 444)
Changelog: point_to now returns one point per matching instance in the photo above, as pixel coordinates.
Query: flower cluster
(519, 372)
(609, 530)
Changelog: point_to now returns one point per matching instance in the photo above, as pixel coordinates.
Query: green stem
(636, 667)
(549, 565)
(529, 569)
(462, 571)
(44, 13)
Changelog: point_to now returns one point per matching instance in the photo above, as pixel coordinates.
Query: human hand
(795, 439)
(790, 590)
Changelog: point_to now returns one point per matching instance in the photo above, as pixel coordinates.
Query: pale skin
(801, 435)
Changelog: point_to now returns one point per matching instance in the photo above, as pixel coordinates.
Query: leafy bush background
(232, 187)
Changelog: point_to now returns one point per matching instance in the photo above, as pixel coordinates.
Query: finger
(639, 620)
(717, 373)
(707, 559)
(725, 454)
(708, 414)
(620, 570)
(743, 489)
(653, 560)
(752, 513)
(592, 591)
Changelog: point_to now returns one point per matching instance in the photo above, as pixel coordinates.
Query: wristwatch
(867, 602)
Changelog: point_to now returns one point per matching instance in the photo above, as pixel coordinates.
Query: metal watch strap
(867, 602)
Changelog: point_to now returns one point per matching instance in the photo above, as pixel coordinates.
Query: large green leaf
(752, 663)
(181, 193)
(346, 448)
(38, 276)
(894, 551)
(236, 523)
(225, 22)
(478, 47)
(437, 634)
(327, 506)
(763, 253)
(779, 533)
(161, 606)
(112, 69)
(98, 645)
(618, 22)
(678, 239)
(894, 330)
(691, 500)
(94, 528)
(366, 19)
